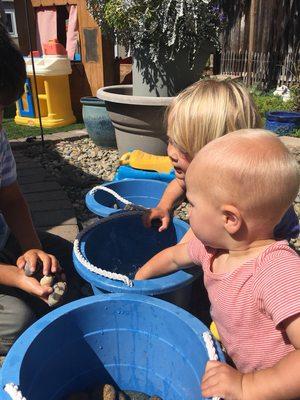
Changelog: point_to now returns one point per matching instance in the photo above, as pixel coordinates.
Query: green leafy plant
(165, 25)
(269, 102)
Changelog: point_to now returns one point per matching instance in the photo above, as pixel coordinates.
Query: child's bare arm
(281, 382)
(14, 277)
(165, 262)
(173, 193)
(15, 209)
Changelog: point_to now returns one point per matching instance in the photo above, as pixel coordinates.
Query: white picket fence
(265, 67)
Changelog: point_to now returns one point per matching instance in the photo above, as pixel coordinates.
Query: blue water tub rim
(93, 205)
(92, 101)
(13, 361)
(152, 287)
(283, 116)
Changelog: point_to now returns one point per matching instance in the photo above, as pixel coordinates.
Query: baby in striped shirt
(239, 186)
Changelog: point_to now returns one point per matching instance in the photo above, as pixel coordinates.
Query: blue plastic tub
(134, 342)
(282, 122)
(121, 243)
(143, 192)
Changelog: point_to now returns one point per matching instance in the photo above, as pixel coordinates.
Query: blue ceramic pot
(97, 122)
(282, 122)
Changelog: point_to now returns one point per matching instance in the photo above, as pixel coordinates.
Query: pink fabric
(46, 22)
(72, 32)
(249, 303)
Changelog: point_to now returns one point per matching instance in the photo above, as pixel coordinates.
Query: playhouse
(52, 87)
(90, 56)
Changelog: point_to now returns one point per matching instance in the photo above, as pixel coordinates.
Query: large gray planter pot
(97, 122)
(138, 120)
(166, 77)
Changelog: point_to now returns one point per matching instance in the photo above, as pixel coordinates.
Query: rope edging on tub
(128, 204)
(94, 268)
(211, 350)
(13, 391)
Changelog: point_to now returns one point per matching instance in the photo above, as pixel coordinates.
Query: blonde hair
(207, 110)
(255, 172)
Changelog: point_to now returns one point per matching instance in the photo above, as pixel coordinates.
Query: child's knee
(15, 317)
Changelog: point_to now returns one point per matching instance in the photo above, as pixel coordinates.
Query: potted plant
(170, 41)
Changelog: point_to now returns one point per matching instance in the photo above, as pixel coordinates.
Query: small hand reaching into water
(161, 214)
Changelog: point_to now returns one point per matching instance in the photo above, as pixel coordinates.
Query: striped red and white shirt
(249, 303)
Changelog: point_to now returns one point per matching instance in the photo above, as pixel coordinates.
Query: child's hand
(157, 213)
(50, 263)
(32, 286)
(223, 381)
(139, 276)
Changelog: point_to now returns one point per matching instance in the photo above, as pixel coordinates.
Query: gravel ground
(80, 165)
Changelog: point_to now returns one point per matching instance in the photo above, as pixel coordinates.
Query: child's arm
(14, 277)
(281, 382)
(165, 262)
(16, 213)
(174, 193)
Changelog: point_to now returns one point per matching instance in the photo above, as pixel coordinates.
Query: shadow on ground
(77, 166)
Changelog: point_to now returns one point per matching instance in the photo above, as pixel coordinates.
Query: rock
(104, 392)
(56, 296)
(47, 280)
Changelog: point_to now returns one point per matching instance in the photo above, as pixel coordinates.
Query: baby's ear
(232, 219)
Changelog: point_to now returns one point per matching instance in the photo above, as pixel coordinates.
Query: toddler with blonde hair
(239, 186)
(204, 111)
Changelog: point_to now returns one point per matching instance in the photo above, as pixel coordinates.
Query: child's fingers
(31, 260)
(212, 364)
(21, 262)
(211, 370)
(164, 224)
(146, 219)
(55, 266)
(46, 261)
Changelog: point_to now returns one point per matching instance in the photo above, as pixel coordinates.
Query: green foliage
(295, 133)
(166, 26)
(15, 131)
(268, 102)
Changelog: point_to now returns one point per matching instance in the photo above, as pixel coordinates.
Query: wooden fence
(267, 69)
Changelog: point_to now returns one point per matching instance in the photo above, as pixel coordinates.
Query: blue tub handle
(13, 391)
(211, 350)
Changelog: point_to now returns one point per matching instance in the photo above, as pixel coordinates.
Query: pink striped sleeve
(277, 284)
(197, 251)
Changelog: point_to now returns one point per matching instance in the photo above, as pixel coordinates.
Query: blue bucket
(121, 244)
(133, 342)
(282, 122)
(143, 192)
